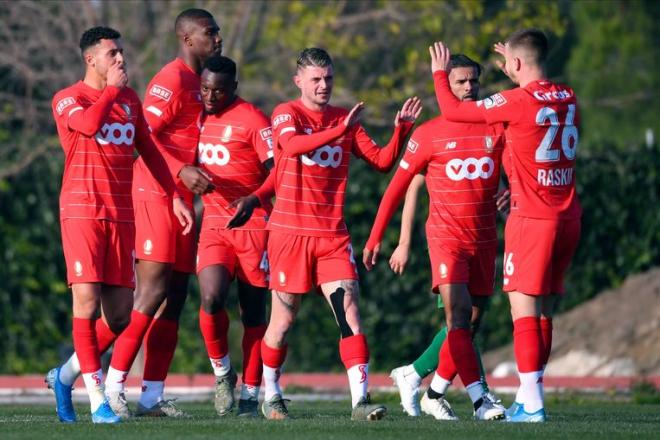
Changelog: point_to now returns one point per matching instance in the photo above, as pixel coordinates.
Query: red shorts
(537, 253)
(298, 263)
(242, 253)
(99, 251)
(158, 237)
(474, 267)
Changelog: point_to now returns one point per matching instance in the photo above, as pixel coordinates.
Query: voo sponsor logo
(470, 168)
(116, 133)
(325, 156)
(213, 154)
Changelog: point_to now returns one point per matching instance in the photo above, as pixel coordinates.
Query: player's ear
(297, 81)
(517, 64)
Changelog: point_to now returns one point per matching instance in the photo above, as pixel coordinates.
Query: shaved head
(189, 18)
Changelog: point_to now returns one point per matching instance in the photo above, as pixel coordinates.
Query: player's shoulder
(335, 111)
(171, 78)
(549, 92)
(429, 127)
(250, 115)
(504, 97)
(66, 96)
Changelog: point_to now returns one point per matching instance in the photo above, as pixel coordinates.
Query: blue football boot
(105, 414)
(64, 404)
(522, 416)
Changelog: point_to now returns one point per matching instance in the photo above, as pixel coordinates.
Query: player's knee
(211, 302)
(118, 323)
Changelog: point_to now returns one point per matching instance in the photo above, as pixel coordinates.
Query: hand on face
(117, 75)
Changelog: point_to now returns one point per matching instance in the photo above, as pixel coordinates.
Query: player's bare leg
(353, 349)
(283, 311)
(528, 350)
(214, 284)
(252, 302)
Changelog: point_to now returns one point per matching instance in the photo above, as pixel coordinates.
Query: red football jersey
(541, 122)
(98, 150)
(172, 105)
(310, 187)
(462, 163)
(233, 145)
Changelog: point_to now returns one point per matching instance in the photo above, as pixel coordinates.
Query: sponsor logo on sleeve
(496, 100)
(266, 133)
(64, 103)
(280, 119)
(412, 146)
(160, 92)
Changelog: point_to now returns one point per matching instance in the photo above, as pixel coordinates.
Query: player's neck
(532, 75)
(94, 81)
(191, 61)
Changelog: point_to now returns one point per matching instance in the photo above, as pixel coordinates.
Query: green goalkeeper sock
(428, 361)
(482, 372)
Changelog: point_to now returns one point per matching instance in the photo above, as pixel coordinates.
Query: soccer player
(408, 378)
(235, 150)
(543, 228)
(165, 256)
(462, 163)
(309, 245)
(99, 121)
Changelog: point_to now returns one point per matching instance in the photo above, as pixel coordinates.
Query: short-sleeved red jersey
(233, 145)
(172, 105)
(98, 165)
(310, 188)
(462, 163)
(541, 122)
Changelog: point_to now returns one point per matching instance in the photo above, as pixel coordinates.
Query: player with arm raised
(462, 163)
(235, 150)
(543, 229)
(100, 122)
(309, 245)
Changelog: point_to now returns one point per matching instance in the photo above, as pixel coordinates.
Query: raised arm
(451, 107)
(399, 257)
(383, 158)
(294, 143)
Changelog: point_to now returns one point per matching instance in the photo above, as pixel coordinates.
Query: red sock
(273, 357)
(354, 350)
(546, 336)
(527, 344)
(84, 342)
(159, 345)
(462, 352)
(104, 336)
(129, 342)
(446, 366)
(252, 362)
(214, 328)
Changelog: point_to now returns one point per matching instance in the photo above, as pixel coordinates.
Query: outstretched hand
(244, 208)
(354, 115)
(440, 56)
(410, 111)
(502, 49)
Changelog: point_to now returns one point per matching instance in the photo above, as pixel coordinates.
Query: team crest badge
(488, 143)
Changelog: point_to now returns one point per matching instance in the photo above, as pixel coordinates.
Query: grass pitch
(570, 418)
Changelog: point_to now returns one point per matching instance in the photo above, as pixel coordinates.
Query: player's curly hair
(91, 37)
(460, 60)
(313, 56)
(221, 64)
(532, 40)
